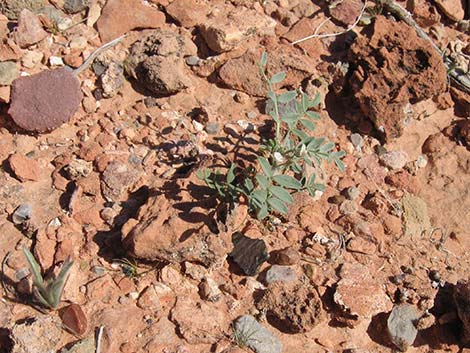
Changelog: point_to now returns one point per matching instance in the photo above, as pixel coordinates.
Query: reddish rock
(118, 178)
(45, 101)
(188, 13)
(414, 71)
(24, 168)
(403, 180)
(453, 9)
(346, 11)
(292, 309)
(243, 73)
(29, 30)
(211, 321)
(74, 319)
(286, 257)
(361, 246)
(359, 295)
(121, 16)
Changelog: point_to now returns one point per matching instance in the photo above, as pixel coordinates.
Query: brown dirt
(110, 175)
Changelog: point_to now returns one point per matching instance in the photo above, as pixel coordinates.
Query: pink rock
(120, 16)
(29, 30)
(45, 101)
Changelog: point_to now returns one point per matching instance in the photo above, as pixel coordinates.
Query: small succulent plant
(47, 292)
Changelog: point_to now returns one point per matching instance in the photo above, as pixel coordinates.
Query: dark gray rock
(44, 101)
(249, 332)
(401, 326)
(248, 253)
(22, 214)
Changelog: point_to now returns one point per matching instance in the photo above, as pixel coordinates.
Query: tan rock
(229, 27)
(188, 13)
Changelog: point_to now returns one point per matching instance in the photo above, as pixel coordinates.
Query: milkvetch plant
(283, 160)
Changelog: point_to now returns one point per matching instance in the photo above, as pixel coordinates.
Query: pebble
(209, 290)
(31, 58)
(56, 61)
(8, 72)
(22, 214)
(357, 140)
(251, 114)
(74, 319)
(287, 256)
(279, 273)
(421, 161)
(352, 193)
(249, 254)
(212, 128)
(394, 159)
(192, 60)
(78, 43)
(400, 326)
(250, 333)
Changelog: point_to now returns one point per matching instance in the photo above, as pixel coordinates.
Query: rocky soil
(100, 163)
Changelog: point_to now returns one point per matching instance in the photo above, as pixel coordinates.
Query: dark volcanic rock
(248, 253)
(45, 101)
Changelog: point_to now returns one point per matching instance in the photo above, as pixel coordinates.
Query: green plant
(47, 292)
(284, 161)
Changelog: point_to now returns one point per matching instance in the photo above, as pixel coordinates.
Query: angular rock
(249, 254)
(252, 334)
(453, 9)
(346, 11)
(121, 16)
(209, 290)
(359, 295)
(242, 73)
(188, 13)
(401, 326)
(462, 302)
(31, 59)
(117, 179)
(157, 62)
(22, 214)
(56, 95)
(414, 72)
(211, 321)
(74, 319)
(280, 273)
(291, 309)
(29, 30)
(12, 8)
(174, 231)
(8, 72)
(24, 168)
(229, 27)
